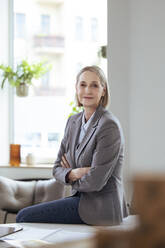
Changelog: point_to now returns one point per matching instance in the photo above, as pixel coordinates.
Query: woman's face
(89, 90)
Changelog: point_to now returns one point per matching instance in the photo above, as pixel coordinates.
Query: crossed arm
(105, 157)
(74, 174)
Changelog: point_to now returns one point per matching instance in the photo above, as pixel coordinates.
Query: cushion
(48, 190)
(15, 195)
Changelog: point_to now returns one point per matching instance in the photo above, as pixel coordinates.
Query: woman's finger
(62, 164)
(67, 165)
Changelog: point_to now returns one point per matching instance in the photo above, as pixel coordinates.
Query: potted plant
(102, 52)
(74, 108)
(22, 76)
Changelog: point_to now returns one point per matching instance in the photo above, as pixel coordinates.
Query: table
(56, 235)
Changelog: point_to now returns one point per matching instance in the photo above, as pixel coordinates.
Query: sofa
(16, 194)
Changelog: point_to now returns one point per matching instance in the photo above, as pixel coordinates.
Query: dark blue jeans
(63, 211)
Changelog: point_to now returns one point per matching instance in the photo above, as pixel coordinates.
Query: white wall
(147, 75)
(136, 55)
(118, 68)
(4, 113)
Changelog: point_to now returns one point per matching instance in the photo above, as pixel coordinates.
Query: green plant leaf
(74, 108)
(24, 72)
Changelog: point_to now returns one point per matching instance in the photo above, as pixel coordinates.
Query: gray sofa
(15, 195)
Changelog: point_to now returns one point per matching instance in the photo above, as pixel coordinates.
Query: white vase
(30, 159)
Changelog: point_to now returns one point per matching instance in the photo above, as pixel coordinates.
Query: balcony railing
(49, 41)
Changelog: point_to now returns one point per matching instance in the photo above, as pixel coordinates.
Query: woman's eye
(82, 85)
(95, 85)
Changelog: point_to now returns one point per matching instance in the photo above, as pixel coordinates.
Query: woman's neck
(88, 113)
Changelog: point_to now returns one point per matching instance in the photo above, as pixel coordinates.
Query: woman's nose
(88, 89)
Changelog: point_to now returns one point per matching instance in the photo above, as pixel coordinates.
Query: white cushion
(15, 195)
(48, 190)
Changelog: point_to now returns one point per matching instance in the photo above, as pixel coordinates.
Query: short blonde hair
(99, 72)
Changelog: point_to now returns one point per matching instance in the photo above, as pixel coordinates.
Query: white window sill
(40, 171)
(27, 166)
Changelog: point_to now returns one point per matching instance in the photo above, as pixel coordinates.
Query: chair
(15, 194)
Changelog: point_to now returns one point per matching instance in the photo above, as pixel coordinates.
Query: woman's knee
(22, 215)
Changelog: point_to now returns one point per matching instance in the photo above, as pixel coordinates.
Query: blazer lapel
(75, 130)
(90, 131)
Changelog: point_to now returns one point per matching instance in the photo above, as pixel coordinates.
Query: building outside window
(40, 118)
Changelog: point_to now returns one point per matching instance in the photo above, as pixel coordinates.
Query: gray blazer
(102, 197)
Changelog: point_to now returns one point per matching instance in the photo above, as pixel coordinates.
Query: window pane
(54, 29)
(20, 27)
(45, 24)
(79, 28)
(94, 29)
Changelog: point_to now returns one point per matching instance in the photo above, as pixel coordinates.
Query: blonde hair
(99, 72)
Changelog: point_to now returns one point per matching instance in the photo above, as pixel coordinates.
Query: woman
(90, 159)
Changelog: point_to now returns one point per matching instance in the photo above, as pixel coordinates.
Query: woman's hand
(74, 174)
(77, 173)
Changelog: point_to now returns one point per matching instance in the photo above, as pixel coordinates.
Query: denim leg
(58, 211)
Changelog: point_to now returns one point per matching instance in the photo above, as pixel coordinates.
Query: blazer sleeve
(105, 158)
(58, 171)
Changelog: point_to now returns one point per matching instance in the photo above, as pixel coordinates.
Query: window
(79, 28)
(45, 81)
(94, 29)
(40, 118)
(45, 24)
(20, 25)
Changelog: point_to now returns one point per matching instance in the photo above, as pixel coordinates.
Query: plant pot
(22, 89)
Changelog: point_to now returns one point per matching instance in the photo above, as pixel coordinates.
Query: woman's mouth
(88, 97)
